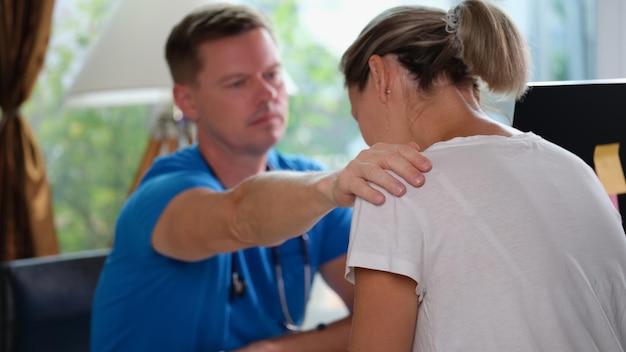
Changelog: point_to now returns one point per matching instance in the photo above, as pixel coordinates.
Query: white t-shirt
(515, 246)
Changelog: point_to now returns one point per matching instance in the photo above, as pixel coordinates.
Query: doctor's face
(239, 100)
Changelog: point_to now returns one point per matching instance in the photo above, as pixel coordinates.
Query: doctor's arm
(269, 208)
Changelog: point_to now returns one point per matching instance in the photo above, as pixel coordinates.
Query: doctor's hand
(370, 165)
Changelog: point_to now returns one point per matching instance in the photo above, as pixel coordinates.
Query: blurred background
(93, 151)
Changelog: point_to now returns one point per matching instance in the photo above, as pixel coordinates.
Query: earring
(387, 91)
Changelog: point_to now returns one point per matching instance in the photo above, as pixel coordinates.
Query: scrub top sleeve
(336, 228)
(140, 214)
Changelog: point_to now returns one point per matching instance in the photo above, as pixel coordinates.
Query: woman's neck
(452, 112)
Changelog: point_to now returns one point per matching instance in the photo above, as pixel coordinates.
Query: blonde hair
(475, 41)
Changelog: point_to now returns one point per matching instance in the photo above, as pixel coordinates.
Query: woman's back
(514, 244)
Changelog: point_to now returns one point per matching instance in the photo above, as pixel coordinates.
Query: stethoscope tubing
(289, 323)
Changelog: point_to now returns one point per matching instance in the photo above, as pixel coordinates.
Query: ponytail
(490, 45)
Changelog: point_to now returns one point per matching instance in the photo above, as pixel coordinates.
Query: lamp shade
(127, 65)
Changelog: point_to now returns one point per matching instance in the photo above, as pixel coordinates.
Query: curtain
(26, 218)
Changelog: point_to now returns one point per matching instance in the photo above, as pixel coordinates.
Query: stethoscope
(238, 284)
(289, 324)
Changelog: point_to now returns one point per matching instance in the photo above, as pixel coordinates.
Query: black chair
(45, 302)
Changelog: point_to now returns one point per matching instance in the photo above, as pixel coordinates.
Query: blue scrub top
(145, 301)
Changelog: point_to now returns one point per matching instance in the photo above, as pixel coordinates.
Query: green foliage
(91, 154)
(320, 120)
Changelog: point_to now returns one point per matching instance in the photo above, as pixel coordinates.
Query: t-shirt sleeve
(387, 237)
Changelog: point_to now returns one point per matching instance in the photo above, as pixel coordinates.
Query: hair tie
(452, 20)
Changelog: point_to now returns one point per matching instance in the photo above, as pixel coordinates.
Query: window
(92, 154)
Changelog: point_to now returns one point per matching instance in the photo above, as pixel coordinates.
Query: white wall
(611, 39)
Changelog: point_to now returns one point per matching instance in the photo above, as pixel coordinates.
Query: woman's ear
(379, 76)
(185, 101)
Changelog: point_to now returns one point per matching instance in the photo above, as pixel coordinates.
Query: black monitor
(578, 116)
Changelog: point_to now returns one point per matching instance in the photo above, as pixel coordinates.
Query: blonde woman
(512, 244)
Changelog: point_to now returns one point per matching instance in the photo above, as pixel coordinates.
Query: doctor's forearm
(270, 208)
(333, 338)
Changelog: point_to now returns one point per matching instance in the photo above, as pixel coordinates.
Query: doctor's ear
(185, 101)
